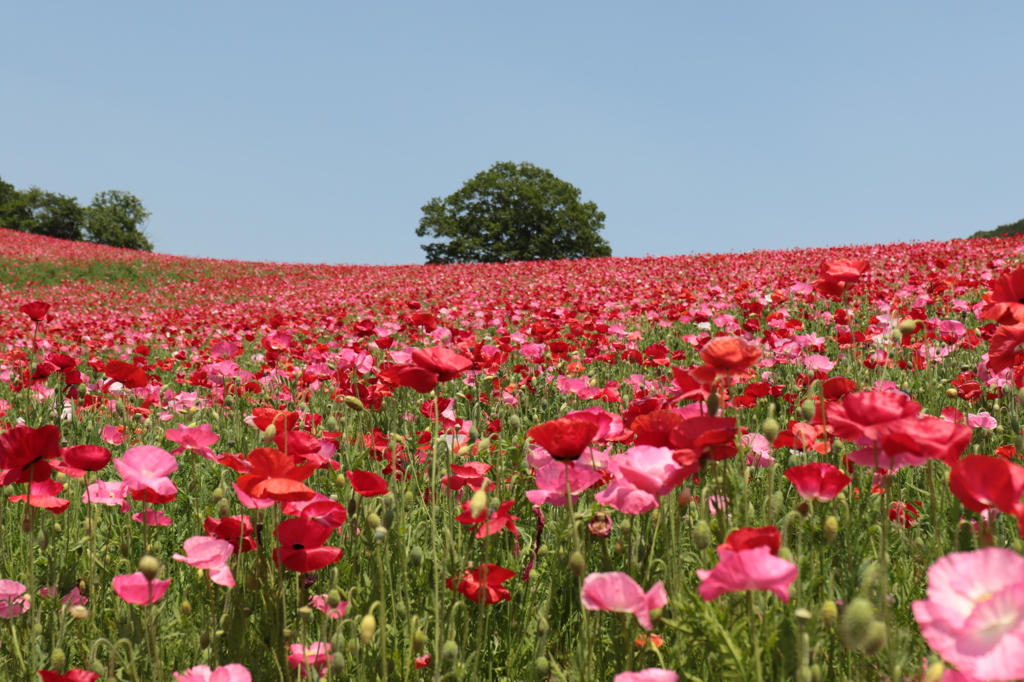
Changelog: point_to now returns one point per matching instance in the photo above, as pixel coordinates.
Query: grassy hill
(1002, 230)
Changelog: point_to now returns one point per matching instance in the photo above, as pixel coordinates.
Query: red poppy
(302, 446)
(703, 437)
(429, 366)
(36, 310)
(43, 495)
(748, 538)
(411, 376)
(283, 420)
(655, 428)
(302, 546)
(25, 453)
(75, 675)
(472, 474)
(867, 417)
(928, 437)
(817, 481)
(904, 513)
(725, 355)
(564, 438)
(843, 270)
(489, 525)
(126, 374)
(366, 483)
(78, 459)
(837, 387)
(275, 475)
(1005, 303)
(1004, 346)
(235, 529)
(484, 582)
(981, 483)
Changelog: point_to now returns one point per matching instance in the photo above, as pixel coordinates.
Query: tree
(46, 213)
(1002, 231)
(512, 212)
(117, 218)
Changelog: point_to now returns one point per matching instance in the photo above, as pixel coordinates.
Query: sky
(315, 131)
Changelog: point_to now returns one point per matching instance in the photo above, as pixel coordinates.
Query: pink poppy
(212, 554)
(146, 467)
(232, 672)
(135, 589)
(319, 602)
(316, 654)
(197, 438)
(648, 675)
(12, 599)
(111, 494)
(865, 418)
(619, 593)
(152, 517)
(551, 482)
(113, 435)
(747, 569)
(817, 481)
(974, 614)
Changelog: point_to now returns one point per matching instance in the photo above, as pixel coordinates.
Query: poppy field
(800, 464)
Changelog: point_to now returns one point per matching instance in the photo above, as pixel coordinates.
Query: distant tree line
(1002, 231)
(114, 218)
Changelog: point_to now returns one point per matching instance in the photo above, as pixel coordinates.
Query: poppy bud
(218, 494)
(270, 432)
(685, 497)
(830, 529)
(816, 672)
(352, 505)
(57, 659)
(829, 613)
(186, 607)
(577, 564)
(338, 640)
(450, 650)
(388, 519)
(908, 326)
(149, 566)
(305, 614)
(331, 423)
(770, 428)
(373, 520)
(858, 616)
(807, 409)
(701, 535)
(380, 534)
(875, 639)
(803, 674)
(419, 641)
(354, 403)
(367, 627)
(775, 503)
(223, 508)
(935, 672)
(601, 525)
(204, 639)
(541, 668)
(478, 503)
(416, 556)
(950, 393)
(514, 422)
(712, 403)
(78, 612)
(42, 540)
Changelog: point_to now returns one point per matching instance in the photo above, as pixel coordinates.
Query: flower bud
(875, 639)
(951, 393)
(186, 607)
(543, 627)
(685, 497)
(333, 598)
(908, 326)
(478, 503)
(541, 668)
(577, 564)
(57, 659)
(354, 403)
(380, 534)
(775, 503)
(712, 403)
(858, 616)
(223, 508)
(270, 432)
(807, 409)
(416, 556)
(78, 612)
(373, 520)
(935, 672)
(150, 566)
(701, 535)
(305, 613)
(601, 525)
(419, 641)
(218, 494)
(450, 650)
(331, 423)
(367, 626)
(830, 529)
(829, 613)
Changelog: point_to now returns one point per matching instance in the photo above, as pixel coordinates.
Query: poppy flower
(134, 588)
(429, 367)
(619, 593)
(1005, 303)
(484, 582)
(911, 442)
(654, 428)
(550, 481)
(700, 438)
(1004, 346)
(974, 614)
(866, 417)
(322, 509)
(565, 438)
(320, 603)
(36, 310)
(145, 467)
(317, 654)
(302, 546)
(43, 495)
(126, 374)
(748, 538)
(276, 475)
(725, 356)
(78, 459)
(489, 523)
(843, 270)
(641, 475)
(12, 599)
(211, 554)
(748, 569)
(25, 453)
(981, 483)
(234, 529)
(281, 420)
(648, 675)
(197, 438)
(74, 675)
(817, 481)
(470, 473)
(232, 672)
(367, 483)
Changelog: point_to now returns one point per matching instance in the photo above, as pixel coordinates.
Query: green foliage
(117, 218)
(1002, 231)
(114, 218)
(512, 212)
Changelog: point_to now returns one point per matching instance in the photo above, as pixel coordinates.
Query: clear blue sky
(315, 131)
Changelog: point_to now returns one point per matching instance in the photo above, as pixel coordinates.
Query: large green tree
(117, 218)
(41, 212)
(512, 212)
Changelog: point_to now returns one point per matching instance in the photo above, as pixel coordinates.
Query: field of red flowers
(758, 466)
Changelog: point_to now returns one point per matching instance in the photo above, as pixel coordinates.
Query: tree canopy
(512, 212)
(114, 218)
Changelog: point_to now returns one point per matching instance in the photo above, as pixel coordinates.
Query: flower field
(759, 466)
